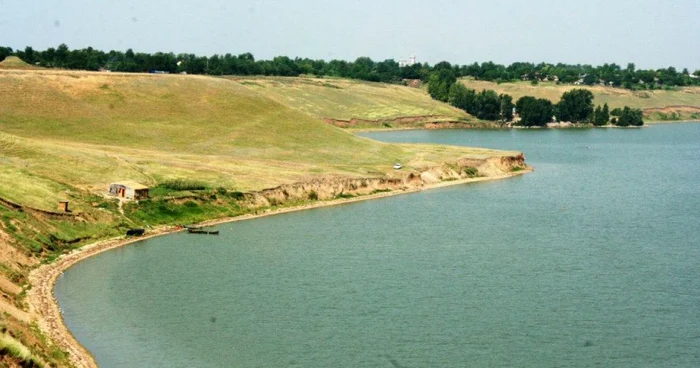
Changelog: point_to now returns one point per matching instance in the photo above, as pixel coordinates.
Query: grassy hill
(13, 62)
(152, 128)
(343, 99)
(657, 104)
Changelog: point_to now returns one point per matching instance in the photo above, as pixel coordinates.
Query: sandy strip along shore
(43, 305)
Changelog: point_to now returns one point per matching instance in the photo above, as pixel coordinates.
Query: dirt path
(45, 309)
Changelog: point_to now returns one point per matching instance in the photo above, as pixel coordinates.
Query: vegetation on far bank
(574, 106)
(363, 68)
(657, 105)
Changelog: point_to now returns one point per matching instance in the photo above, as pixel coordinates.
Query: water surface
(591, 260)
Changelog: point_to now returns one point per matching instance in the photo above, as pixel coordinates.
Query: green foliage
(5, 52)
(507, 106)
(313, 195)
(362, 68)
(485, 105)
(589, 79)
(182, 184)
(534, 111)
(616, 112)
(576, 106)
(440, 82)
(380, 191)
(631, 117)
(462, 97)
(161, 211)
(471, 172)
(13, 348)
(601, 115)
(605, 113)
(488, 105)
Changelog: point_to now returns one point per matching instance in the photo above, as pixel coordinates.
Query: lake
(590, 260)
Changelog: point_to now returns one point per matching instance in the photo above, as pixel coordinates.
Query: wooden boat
(202, 231)
(135, 232)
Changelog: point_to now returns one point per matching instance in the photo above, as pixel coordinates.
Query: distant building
(128, 190)
(411, 61)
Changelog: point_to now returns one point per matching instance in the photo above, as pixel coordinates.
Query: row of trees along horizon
(362, 68)
(575, 106)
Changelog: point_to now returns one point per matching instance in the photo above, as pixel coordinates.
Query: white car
(397, 166)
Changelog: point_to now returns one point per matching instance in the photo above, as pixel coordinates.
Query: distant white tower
(403, 62)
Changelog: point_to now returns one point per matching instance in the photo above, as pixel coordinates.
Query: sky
(650, 33)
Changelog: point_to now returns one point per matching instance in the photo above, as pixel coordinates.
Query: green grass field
(63, 131)
(351, 99)
(685, 101)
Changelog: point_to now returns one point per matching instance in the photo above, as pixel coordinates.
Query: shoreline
(609, 126)
(44, 307)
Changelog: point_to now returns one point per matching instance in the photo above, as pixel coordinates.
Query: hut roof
(131, 184)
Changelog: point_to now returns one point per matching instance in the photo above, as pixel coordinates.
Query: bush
(534, 111)
(183, 184)
(313, 195)
(629, 116)
(471, 172)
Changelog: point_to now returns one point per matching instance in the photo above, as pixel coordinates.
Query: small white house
(128, 190)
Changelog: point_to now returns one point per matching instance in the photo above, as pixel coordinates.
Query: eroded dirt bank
(330, 191)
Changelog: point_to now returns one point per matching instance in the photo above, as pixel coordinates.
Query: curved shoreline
(44, 306)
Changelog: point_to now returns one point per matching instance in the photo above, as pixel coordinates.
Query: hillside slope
(366, 103)
(151, 128)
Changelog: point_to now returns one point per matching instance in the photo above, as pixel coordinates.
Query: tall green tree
(507, 106)
(488, 105)
(629, 116)
(5, 52)
(462, 97)
(440, 82)
(576, 106)
(605, 114)
(534, 111)
(598, 116)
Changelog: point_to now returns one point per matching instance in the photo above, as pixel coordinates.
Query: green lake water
(591, 260)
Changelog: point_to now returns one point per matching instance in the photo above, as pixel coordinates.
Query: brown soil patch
(671, 109)
(7, 307)
(8, 286)
(402, 120)
(12, 257)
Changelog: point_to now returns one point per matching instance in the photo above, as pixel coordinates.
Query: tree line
(575, 106)
(362, 68)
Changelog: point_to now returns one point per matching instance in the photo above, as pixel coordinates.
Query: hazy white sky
(650, 33)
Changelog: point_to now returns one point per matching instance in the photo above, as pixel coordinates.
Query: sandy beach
(43, 305)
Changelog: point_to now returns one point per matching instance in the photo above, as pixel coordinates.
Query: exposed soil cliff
(324, 189)
(403, 121)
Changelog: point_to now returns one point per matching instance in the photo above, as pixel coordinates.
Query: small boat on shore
(202, 231)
